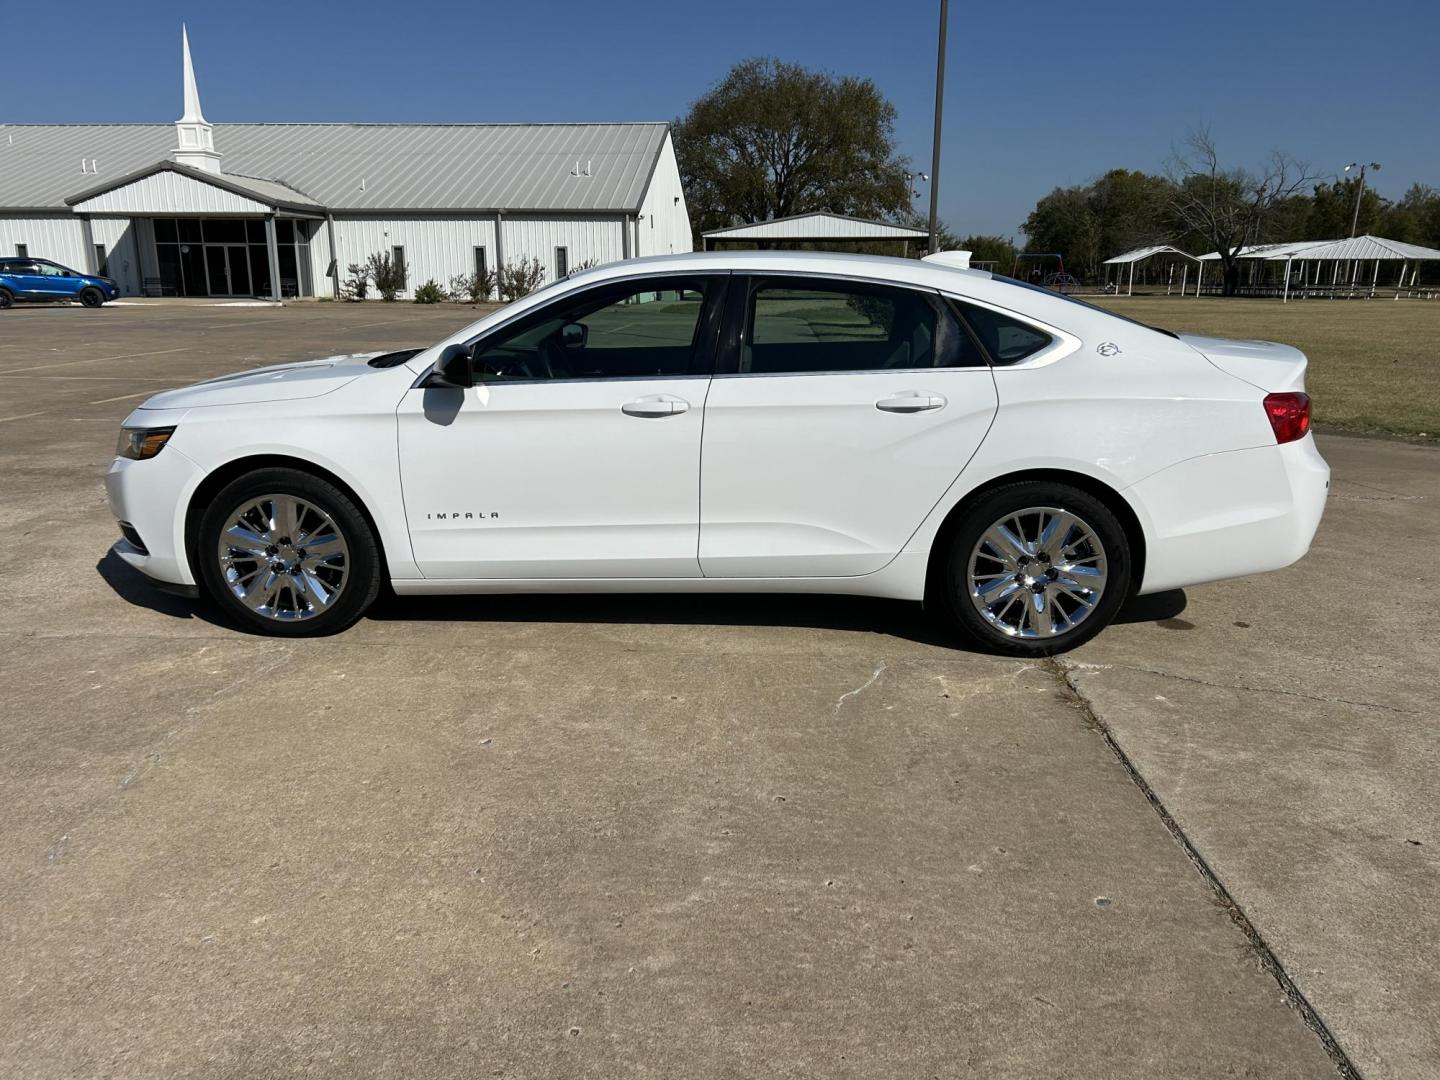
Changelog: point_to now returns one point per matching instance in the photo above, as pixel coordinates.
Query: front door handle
(911, 401)
(655, 406)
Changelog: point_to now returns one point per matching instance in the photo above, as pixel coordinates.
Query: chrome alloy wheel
(1037, 573)
(283, 558)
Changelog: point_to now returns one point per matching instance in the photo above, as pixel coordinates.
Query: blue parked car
(41, 279)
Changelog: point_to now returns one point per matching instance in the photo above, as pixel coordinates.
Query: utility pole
(1355, 220)
(939, 107)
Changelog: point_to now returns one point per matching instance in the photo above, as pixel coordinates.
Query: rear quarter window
(1006, 340)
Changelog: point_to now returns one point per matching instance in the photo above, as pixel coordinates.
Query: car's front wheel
(287, 553)
(1036, 568)
(6, 298)
(91, 297)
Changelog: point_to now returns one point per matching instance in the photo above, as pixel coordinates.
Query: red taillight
(1289, 415)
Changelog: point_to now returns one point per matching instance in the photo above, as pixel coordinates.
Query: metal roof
(1146, 252)
(358, 167)
(1265, 251)
(1363, 248)
(818, 226)
(265, 191)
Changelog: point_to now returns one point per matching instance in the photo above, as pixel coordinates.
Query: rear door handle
(911, 401)
(655, 406)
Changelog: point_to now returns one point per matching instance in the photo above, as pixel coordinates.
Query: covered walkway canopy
(1138, 255)
(813, 228)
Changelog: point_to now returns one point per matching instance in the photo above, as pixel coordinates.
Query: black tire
(363, 563)
(7, 298)
(960, 612)
(91, 297)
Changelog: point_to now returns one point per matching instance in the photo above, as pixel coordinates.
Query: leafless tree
(1228, 207)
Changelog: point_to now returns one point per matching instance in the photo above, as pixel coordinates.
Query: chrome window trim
(847, 371)
(417, 385)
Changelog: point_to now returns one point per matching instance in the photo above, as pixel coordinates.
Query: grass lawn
(1374, 364)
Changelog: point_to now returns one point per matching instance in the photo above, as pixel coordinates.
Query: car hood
(282, 382)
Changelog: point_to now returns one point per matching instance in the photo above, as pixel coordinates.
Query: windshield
(1082, 303)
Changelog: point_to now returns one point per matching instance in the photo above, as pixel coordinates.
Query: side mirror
(454, 368)
(574, 335)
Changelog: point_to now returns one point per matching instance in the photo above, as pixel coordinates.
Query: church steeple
(197, 142)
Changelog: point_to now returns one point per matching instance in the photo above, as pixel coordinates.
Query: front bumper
(1227, 515)
(150, 497)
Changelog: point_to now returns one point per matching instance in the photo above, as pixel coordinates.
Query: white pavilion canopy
(1345, 260)
(810, 228)
(1140, 254)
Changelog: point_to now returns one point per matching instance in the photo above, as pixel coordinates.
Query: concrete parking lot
(711, 836)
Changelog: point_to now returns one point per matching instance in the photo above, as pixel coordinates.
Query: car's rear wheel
(289, 554)
(1036, 568)
(91, 297)
(7, 298)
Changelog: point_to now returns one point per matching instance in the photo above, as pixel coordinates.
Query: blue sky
(1039, 93)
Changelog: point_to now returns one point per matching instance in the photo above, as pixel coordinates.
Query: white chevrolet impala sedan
(745, 422)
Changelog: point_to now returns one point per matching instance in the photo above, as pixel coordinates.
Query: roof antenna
(362, 183)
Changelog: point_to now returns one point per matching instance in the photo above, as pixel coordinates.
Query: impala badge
(1108, 348)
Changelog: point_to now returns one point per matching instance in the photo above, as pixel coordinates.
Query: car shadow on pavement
(134, 588)
(861, 614)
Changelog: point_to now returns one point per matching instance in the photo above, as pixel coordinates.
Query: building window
(481, 264)
(397, 256)
(100, 267)
(562, 262)
(22, 251)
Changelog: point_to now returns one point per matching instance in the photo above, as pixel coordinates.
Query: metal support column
(272, 249)
(334, 255)
(91, 264)
(935, 147)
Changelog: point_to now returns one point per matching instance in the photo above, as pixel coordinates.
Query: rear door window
(804, 326)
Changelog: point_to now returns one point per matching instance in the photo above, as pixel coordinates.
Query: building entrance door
(227, 268)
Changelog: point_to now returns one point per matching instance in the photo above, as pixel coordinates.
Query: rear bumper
(1228, 515)
(150, 497)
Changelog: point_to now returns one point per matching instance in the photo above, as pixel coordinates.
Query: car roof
(979, 285)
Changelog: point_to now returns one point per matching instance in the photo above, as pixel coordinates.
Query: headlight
(141, 443)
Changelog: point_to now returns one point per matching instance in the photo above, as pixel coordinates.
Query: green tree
(1415, 219)
(1065, 222)
(774, 139)
(1086, 224)
(1131, 210)
(996, 249)
(1332, 208)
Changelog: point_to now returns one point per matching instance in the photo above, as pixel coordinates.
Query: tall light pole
(1355, 220)
(939, 106)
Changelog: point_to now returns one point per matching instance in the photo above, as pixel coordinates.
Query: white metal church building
(279, 210)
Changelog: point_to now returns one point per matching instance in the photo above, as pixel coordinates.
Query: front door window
(634, 330)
